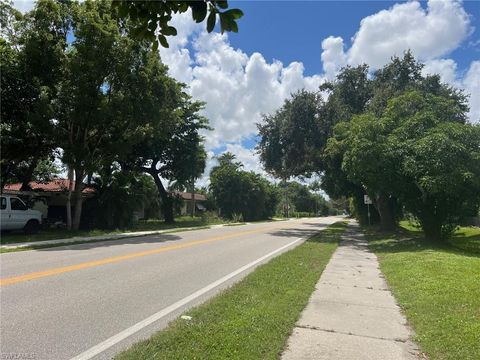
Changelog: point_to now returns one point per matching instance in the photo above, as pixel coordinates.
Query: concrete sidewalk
(351, 314)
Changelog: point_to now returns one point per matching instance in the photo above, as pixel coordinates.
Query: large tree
(421, 151)
(84, 119)
(238, 192)
(32, 49)
(160, 125)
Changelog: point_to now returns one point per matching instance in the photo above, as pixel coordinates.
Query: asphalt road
(94, 300)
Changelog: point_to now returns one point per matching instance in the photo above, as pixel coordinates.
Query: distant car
(15, 215)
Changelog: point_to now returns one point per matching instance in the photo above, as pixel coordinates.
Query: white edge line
(115, 339)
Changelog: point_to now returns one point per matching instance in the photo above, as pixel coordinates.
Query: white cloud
(23, 5)
(236, 87)
(333, 56)
(430, 33)
(248, 157)
(471, 84)
(446, 68)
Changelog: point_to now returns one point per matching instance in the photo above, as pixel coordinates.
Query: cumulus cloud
(23, 5)
(248, 157)
(333, 56)
(446, 68)
(237, 88)
(430, 33)
(471, 84)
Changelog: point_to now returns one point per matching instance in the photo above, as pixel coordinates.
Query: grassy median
(143, 225)
(252, 319)
(438, 287)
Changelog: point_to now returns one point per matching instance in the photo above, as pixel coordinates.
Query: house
(50, 198)
(187, 203)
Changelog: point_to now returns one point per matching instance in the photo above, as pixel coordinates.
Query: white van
(15, 215)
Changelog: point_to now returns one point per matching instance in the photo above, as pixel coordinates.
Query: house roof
(57, 185)
(188, 196)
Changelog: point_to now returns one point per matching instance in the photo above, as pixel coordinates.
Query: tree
(84, 121)
(421, 151)
(160, 128)
(32, 54)
(292, 138)
(238, 192)
(152, 18)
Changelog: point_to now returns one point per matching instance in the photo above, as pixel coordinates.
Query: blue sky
(284, 46)
(293, 30)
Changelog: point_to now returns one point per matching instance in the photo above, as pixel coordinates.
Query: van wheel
(32, 227)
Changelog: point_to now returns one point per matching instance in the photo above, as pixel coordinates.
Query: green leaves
(199, 10)
(234, 14)
(151, 18)
(211, 21)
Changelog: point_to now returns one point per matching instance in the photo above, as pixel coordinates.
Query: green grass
(148, 225)
(47, 246)
(438, 287)
(252, 319)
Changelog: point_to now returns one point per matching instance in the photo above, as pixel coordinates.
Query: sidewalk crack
(309, 327)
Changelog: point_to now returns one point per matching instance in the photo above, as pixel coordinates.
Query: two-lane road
(93, 300)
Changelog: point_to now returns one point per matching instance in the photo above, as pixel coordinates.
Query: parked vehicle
(15, 215)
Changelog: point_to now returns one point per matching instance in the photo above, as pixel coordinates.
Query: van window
(17, 204)
(3, 203)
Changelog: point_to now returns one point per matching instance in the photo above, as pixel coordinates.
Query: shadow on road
(153, 239)
(292, 232)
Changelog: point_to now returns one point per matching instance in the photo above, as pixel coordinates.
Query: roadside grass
(48, 246)
(53, 234)
(437, 286)
(252, 319)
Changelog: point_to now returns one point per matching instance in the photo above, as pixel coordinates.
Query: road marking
(115, 339)
(115, 259)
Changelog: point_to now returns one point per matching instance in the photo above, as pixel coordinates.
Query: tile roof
(188, 196)
(57, 185)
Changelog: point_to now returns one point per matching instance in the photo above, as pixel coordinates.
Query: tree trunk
(167, 200)
(387, 218)
(433, 233)
(27, 178)
(193, 198)
(69, 199)
(78, 199)
(431, 226)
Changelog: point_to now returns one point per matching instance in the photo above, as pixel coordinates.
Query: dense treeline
(75, 83)
(240, 194)
(396, 135)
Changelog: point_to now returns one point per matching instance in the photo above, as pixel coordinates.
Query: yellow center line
(115, 259)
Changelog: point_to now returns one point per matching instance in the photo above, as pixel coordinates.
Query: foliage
(300, 198)
(103, 98)
(239, 192)
(293, 132)
(421, 152)
(119, 196)
(31, 55)
(370, 140)
(151, 19)
(163, 132)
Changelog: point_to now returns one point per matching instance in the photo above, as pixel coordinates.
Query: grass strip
(48, 246)
(438, 287)
(143, 225)
(252, 319)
